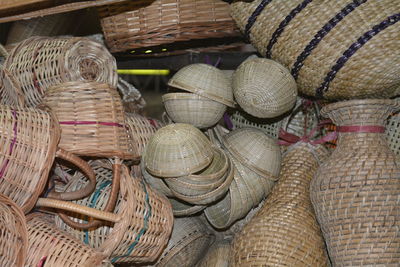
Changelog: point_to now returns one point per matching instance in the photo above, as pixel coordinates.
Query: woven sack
(355, 192)
(146, 23)
(13, 234)
(38, 63)
(334, 49)
(142, 218)
(29, 139)
(285, 231)
(10, 90)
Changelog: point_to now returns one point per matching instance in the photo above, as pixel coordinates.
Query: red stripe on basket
(91, 123)
(3, 169)
(360, 129)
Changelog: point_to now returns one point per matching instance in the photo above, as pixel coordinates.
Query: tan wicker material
(256, 150)
(140, 130)
(13, 234)
(355, 192)
(204, 80)
(264, 88)
(91, 118)
(335, 49)
(217, 256)
(393, 132)
(49, 246)
(189, 242)
(39, 63)
(155, 182)
(176, 150)
(29, 140)
(193, 109)
(131, 97)
(183, 209)
(144, 218)
(145, 23)
(10, 91)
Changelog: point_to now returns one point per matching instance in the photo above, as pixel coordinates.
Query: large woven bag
(142, 218)
(146, 23)
(13, 234)
(335, 49)
(39, 63)
(28, 143)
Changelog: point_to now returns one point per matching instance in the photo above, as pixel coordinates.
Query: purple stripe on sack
(361, 41)
(91, 122)
(252, 19)
(3, 169)
(322, 33)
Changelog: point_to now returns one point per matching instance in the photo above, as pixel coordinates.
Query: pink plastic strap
(361, 129)
(91, 122)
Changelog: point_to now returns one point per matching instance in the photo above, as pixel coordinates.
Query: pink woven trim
(360, 129)
(91, 122)
(3, 169)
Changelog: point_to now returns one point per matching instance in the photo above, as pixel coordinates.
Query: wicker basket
(335, 49)
(131, 97)
(176, 150)
(204, 80)
(217, 256)
(393, 132)
(285, 231)
(147, 23)
(48, 246)
(143, 218)
(184, 209)
(39, 63)
(91, 118)
(13, 234)
(10, 90)
(264, 88)
(29, 140)
(193, 109)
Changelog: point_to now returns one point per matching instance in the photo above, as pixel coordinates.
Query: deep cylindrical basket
(335, 49)
(13, 234)
(145, 23)
(38, 63)
(91, 119)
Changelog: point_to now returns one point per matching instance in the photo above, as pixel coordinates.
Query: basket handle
(110, 206)
(86, 169)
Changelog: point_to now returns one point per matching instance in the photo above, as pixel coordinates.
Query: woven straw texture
(131, 97)
(355, 192)
(204, 80)
(193, 109)
(176, 150)
(13, 234)
(264, 88)
(146, 218)
(28, 145)
(91, 118)
(39, 63)
(333, 48)
(145, 23)
(48, 246)
(217, 255)
(10, 90)
(155, 182)
(140, 130)
(393, 132)
(183, 209)
(285, 231)
(189, 242)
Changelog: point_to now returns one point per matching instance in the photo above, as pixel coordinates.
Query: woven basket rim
(393, 103)
(182, 96)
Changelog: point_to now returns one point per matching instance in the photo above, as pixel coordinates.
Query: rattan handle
(86, 169)
(110, 206)
(76, 208)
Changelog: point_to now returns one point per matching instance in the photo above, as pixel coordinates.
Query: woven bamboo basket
(217, 256)
(142, 218)
(176, 150)
(91, 118)
(184, 209)
(29, 140)
(189, 242)
(140, 130)
(13, 234)
(204, 80)
(49, 246)
(193, 109)
(285, 231)
(145, 23)
(264, 88)
(393, 132)
(333, 48)
(155, 182)
(39, 63)
(10, 91)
